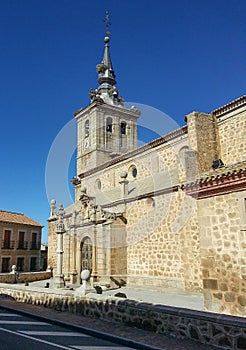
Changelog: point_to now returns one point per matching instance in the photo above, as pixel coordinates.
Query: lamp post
(60, 229)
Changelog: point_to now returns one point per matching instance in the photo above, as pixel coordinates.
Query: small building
(20, 238)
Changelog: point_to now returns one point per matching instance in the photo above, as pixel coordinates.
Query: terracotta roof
(232, 169)
(221, 180)
(17, 218)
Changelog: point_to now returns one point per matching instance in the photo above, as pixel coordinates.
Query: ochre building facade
(20, 238)
(168, 215)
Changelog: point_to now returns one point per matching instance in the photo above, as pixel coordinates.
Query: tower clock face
(86, 143)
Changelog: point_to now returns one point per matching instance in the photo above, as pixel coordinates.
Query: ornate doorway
(86, 254)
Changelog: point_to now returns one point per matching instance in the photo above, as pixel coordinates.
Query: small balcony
(8, 244)
(22, 245)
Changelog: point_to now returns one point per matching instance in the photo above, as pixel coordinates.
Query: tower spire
(107, 91)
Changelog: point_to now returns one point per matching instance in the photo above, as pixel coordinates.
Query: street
(22, 332)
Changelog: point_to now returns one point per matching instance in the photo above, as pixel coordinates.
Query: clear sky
(176, 56)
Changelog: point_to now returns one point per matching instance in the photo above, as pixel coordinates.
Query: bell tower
(106, 128)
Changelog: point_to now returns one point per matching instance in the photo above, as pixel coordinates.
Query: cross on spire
(107, 23)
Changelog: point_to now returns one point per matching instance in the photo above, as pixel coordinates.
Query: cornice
(127, 200)
(226, 180)
(239, 102)
(107, 107)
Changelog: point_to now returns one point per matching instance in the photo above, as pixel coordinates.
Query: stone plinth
(59, 281)
(85, 287)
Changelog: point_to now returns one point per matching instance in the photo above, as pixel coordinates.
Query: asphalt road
(26, 333)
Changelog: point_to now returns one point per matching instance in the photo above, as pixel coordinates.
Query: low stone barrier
(221, 331)
(7, 278)
(33, 276)
(24, 277)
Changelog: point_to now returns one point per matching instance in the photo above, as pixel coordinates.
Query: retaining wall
(222, 331)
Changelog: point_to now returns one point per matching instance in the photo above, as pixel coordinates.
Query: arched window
(109, 124)
(87, 128)
(181, 155)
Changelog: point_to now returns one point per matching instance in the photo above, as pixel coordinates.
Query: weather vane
(107, 23)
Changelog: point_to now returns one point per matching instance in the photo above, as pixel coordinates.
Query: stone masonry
(170, 214)
(222, 332)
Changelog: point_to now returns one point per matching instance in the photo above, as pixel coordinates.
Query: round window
(134, 172)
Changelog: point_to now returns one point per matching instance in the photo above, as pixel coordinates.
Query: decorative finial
(52, 207)
(107, 23)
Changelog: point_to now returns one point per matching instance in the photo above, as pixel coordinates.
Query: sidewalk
(140, 338)
(193, 301)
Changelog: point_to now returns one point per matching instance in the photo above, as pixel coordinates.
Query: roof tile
(17, 218)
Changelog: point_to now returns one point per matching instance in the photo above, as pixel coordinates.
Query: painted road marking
(88, 347)
(37, 340)
(23, 322)
(9, 315)
(61, 334)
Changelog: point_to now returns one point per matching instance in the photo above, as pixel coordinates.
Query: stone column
(60, 229)
(74, 273)
(94, 254)
(124, 192)
(124, 182)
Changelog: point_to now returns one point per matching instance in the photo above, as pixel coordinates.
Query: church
(169, 215)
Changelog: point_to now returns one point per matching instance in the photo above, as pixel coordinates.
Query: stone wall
(118, 250)
(202, 131)
(222, 332)
(24, 277)
(232, 134)
(33, 276)
(223, 252)
(156, 159)
(7, 278)
(163, 242)
(160, 241)
(162, 237)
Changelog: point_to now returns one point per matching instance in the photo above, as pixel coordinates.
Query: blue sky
(176, 56)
